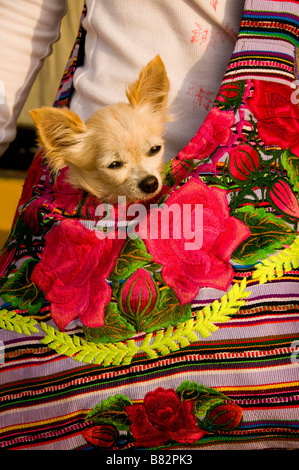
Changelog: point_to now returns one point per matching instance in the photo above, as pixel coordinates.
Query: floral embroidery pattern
(260, 165)
(181, 416)
(142, 301)
(165, 340)
(208, 265)
(73, 271)
(162, 417)
(277, 117)
(117, 288)
(243, 162)
(215, 133)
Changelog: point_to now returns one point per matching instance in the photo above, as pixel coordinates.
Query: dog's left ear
(57, 127)
(58, 130)
(151, 89)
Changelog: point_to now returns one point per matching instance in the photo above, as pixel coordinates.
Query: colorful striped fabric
(228, 376)
(256, 56)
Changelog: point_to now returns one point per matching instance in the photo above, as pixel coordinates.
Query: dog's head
(118, 151)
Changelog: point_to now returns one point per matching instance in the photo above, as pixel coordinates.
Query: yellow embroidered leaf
(14, 322)
(220, 312)
(275, 266)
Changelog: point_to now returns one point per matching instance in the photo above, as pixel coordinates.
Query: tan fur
(124, 132)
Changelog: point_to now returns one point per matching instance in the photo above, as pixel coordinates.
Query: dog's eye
(154, 150)
(115, 164)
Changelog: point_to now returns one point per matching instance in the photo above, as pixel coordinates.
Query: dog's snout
(149, 184)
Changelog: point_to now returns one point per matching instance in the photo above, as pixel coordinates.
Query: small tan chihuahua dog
(119, 150)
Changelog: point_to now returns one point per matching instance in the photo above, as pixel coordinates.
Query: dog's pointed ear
(57, 127)
(57, 130)
(151, 89)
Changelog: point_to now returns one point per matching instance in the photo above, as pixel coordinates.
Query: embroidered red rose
(188, 265)
(277, 116)
(162, 417)
(72, 273)
(215, 131)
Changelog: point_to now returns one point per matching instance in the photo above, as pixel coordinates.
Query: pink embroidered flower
(283, 198)
(162, 417)
(205, 264)
(278, 117)
(215, 131)
(72, 273)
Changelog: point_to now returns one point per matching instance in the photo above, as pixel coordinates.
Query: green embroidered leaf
(202, 396)
(268, 234)
(116, 328)
(154, 268)
(133, 255)
(21, 292)
(13, 322)
(290, 162)
(168, 312)
(111, 411)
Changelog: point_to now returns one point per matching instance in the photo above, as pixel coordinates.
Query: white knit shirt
(195, 39)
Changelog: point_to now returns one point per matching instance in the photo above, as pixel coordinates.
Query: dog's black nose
(149, 184)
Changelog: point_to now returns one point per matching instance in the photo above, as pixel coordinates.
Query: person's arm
(28, 28)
